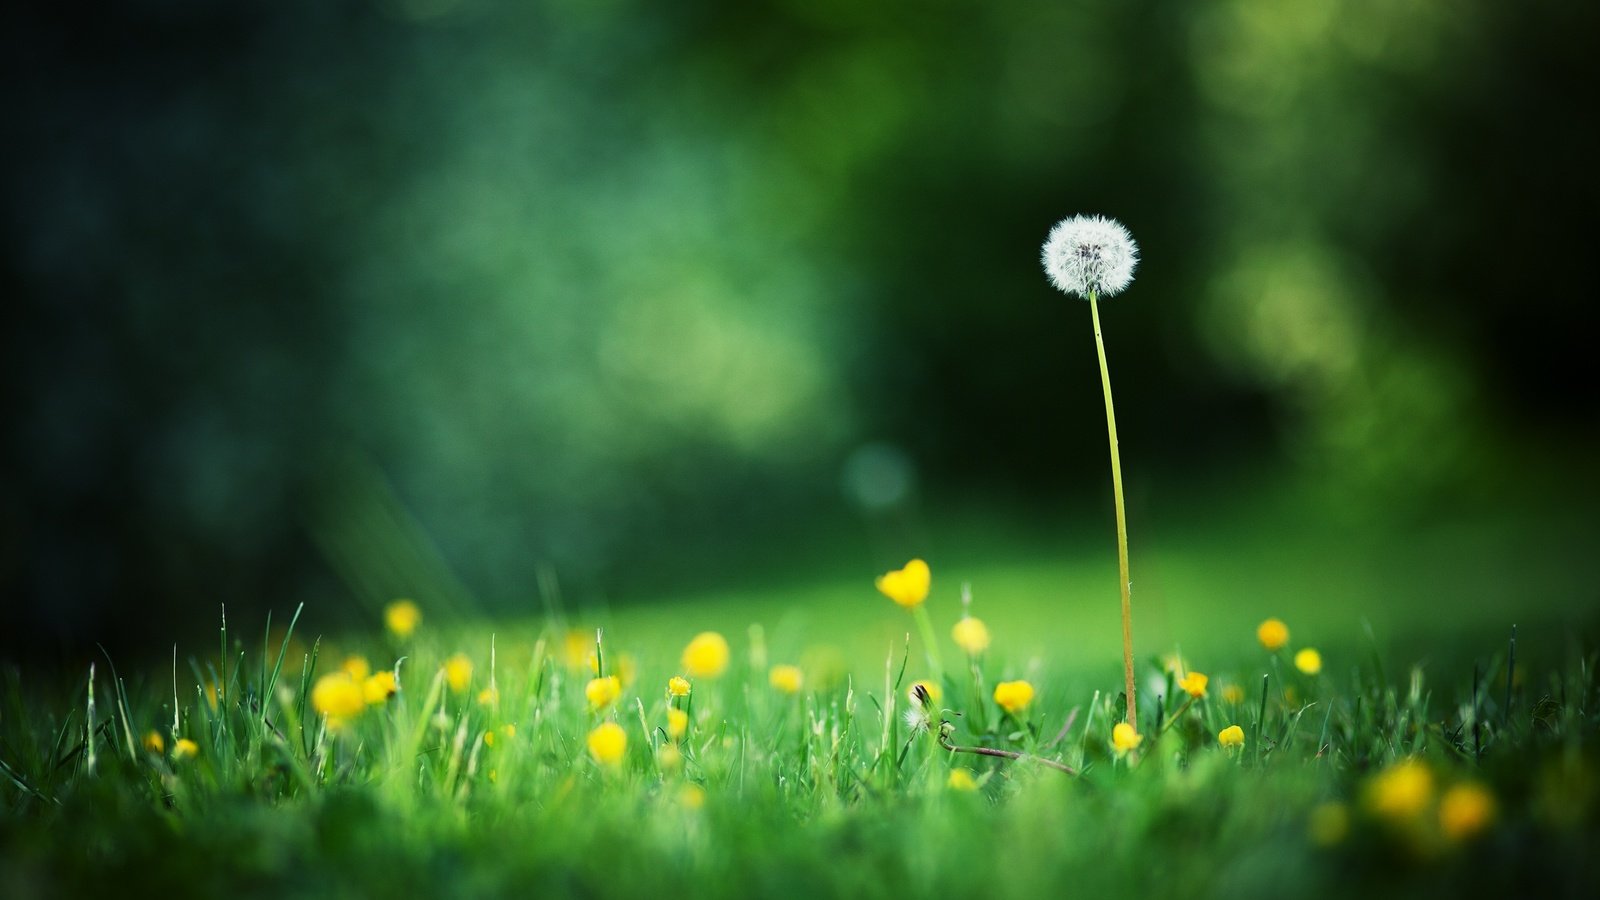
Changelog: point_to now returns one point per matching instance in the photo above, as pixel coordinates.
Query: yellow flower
(607, 744)
(402, 617)
(458, 672)
(185, 749)
(935, 692)
(506, 731)
(602, 692)
(1329, 823)
(1193, 684)
(577, 649)
(153, 742)
(1400, 792)
(1124, 738)
(706, 656)
(692, 796)
(677, 723)
(1465, 811)
(337, 696)
(962, 780)
(1013, 696)
(1232, 736)
(907, 586)
(489, 696)
(1233, 694)
(1308, 661)
(669, 757)
(971, 635)
(378, 687)
(357, 667)
(678, 686)
(1272, 634)
(786, 679)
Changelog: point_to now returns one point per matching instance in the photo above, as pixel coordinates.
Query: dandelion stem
(930, 642)
(1122, 516)
(944, 741)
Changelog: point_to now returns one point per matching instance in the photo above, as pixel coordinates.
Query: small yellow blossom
(669, 757)
(692, 796)
(153, 742)
(786, 679)
(1233, 693)
(577, 649)
(677, 723)
(602, 692)
(1193, 684)
(935, 692)
(185, 749)
(1124, 738)
(962, 780)
(1329, 823)
(357, 667)
(338, 696)
(378, 687)
(507, 731)
(1272, 634)
(907, 586)
(402, 618)
(1013, 696)
(971, 635)
(458, 672)
(1400, 792)
(1232, 736)
(1465, 811)
(489, 696)
(678, 686)
(1308, 661)
(607, 744)
(706, 656)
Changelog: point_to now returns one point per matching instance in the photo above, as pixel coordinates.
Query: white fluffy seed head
(1090, 255)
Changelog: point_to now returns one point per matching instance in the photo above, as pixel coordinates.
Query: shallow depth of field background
(685, 315)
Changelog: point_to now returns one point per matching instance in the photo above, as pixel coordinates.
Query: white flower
(918, 718)
(1090, 255)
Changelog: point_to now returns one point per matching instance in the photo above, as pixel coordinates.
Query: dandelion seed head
(918, 718)
(1087, 255)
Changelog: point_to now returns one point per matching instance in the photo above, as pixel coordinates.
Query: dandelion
(402, 618)
(489, 696)
(971, 635)
(602, 692)
(907, 586)
(691, 796)
(1272, 634)
(669, 757)
(1465, 811)
(1125, 738)
(356, 667)
(1401, 792)
(918, 716)
(1233, 693)
(706, 656)
(1328, 824)
(185, 749)
(677, 723)
(961, 780)
(607, 743)
(458, 672)
(153, 742)
(1308, 661)
(786, 679)
(378, 687)
(931, 688)
(577, 649)
(506, 731)
(1013, 696)
(678, 686)
(1091, 256)
(338, 696)
(1193, 684)
(1232, 736)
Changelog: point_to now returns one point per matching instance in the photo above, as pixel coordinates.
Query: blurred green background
(622, 302)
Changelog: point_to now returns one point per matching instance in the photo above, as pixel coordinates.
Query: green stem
(1122, 516)
(925, 625)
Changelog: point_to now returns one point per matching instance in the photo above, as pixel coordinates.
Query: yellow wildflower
(489, 696)
(402, 618)
(1232, 736)
(577, 649)
(961, 780)
(458, 672)
(1272, 634)
(678, 686)
(607, 744)
(786, 679)
(935, 692)
(507, 731)
(153, 742)
(1193, 684)
(1124, 738)
(692, 796)
(1400, 792)
(971, 635)
(1465, 811)
(337, 696)
(185, 749)
(706, 656)
(907, 586)
(1233, 693)
(677, 723)
(669, 757)
(357, 667)
(378, 687)
(1308, 661)
(602, 692)
(1013, 696)
(1329, 823)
